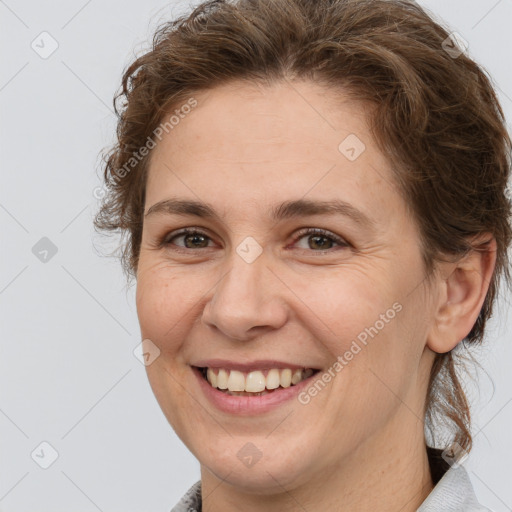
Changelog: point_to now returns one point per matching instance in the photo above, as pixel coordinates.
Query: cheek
(344, 304)
(380, 363)
(162, 302)
(371, 325)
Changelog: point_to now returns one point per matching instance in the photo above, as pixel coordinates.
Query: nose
(247, 301)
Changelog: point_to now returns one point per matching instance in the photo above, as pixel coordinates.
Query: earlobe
(462, 291)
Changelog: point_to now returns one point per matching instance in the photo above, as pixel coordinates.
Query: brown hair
(435, 115)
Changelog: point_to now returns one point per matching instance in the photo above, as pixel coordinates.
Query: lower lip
(249, 405)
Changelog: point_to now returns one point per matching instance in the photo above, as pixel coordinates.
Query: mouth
(256, 382)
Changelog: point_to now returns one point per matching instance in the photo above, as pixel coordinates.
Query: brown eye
(319, 240)
(193, 241)
(188, 239)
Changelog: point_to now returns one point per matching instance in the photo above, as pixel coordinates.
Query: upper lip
(260, 364)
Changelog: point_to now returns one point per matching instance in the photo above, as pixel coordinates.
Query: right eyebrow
(183, 207)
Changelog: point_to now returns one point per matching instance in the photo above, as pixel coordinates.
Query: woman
(313, 195)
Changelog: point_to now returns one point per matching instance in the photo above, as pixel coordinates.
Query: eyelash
(300, 234)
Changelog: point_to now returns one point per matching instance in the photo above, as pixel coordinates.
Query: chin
(259, 466)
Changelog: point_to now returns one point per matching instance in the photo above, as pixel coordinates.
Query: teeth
(273, 379)
(286, 378)
(255, 382)
(296, 376)
(222, 379)
(237, 383)
(212, 378)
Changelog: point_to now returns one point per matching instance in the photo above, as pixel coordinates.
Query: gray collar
(453, 493)
(191, 502)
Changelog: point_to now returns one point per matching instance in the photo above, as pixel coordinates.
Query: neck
(388, 473)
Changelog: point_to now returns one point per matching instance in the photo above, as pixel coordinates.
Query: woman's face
(301, 254)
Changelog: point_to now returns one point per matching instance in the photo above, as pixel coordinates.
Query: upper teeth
(255, 381)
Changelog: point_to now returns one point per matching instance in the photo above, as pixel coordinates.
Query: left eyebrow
(286, 210)
(305, 208)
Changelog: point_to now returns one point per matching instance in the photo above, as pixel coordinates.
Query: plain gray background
(68, 373)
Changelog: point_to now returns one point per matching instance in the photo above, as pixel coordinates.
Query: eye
(319, 239)
(191, 239)
(316, 239)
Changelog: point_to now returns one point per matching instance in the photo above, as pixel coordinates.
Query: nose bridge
(245, 298)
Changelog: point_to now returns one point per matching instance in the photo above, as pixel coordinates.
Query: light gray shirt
(453, 493)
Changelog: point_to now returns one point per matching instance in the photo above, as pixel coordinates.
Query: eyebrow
(286, 210)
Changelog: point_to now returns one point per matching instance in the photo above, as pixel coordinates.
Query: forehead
(242, 120)
(255, 144)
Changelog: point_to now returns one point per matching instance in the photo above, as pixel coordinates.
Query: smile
(254, 383)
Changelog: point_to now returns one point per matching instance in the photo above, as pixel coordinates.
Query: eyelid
(166, 240)
(340, 241)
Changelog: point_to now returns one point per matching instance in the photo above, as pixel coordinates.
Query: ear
(462, 287)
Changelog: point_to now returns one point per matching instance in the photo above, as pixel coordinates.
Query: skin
(359, 443)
